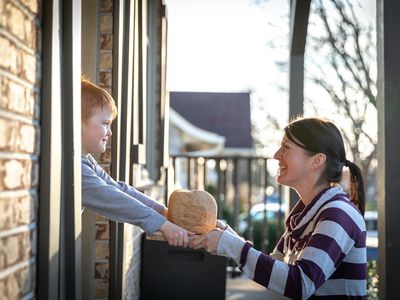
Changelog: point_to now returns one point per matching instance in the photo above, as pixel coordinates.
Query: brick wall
(132, 234)
(102, 237)
(131, 270)
(101, 258)
(20, 51)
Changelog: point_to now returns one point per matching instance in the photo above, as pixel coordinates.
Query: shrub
(372, 280)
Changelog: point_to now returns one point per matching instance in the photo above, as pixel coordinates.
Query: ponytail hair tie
(347, 163)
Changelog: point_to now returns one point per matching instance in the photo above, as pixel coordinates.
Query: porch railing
(237, 184)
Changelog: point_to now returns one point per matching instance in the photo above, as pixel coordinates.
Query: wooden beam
(388, 46)
(71, 202)
(48, 267)
(299, 12)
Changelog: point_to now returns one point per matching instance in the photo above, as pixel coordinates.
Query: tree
(340, 69)
(342, 63)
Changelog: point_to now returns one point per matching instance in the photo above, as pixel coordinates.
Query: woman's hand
(175, 235)
(208, 241)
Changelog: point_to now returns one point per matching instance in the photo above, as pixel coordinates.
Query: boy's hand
(165, 212)
(175, 235)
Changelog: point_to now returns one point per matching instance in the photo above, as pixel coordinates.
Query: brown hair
(317, 135)
(93, 97)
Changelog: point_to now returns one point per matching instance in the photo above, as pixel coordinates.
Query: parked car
(274, 211)
(273, 198)
(371, 222)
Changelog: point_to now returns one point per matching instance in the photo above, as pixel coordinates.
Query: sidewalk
(242, 288)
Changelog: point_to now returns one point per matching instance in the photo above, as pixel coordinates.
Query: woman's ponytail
(356, 187)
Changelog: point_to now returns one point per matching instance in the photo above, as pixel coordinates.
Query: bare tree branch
(350, 86)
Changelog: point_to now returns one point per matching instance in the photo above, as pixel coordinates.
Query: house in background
(188, 138)
(209, 123)
(213, 125)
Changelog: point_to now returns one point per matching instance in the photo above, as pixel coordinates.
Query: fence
(242, 187)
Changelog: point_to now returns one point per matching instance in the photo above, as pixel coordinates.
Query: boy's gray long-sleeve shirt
(117, 200)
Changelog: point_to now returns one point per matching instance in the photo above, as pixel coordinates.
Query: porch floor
(242, 288)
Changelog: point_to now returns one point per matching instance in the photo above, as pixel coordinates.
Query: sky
(219, 45)
(225, 46)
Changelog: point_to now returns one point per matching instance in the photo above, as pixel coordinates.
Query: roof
(227, 114)
(185, 137)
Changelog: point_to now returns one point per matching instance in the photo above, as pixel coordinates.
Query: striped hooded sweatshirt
(321, 255)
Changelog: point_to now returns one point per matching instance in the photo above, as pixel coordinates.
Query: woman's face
(294, 164)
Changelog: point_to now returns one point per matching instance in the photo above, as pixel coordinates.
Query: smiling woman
(322, 252)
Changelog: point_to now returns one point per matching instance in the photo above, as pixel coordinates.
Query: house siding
(132, 234)
(104, 79)
(20, 63)
(20, 131)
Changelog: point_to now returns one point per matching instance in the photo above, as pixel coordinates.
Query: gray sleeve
(116, 202)
(122, 186)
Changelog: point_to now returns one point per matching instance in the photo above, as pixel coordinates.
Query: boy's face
(96, 130)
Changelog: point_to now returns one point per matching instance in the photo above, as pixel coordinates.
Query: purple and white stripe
(322, 253)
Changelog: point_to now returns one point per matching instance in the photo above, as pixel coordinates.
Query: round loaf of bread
(195, 211)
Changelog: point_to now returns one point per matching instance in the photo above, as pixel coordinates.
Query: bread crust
(195, 211)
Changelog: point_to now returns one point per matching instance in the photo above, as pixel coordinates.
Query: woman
(322, 253)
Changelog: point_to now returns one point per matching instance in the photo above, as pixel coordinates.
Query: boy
(116, 200)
